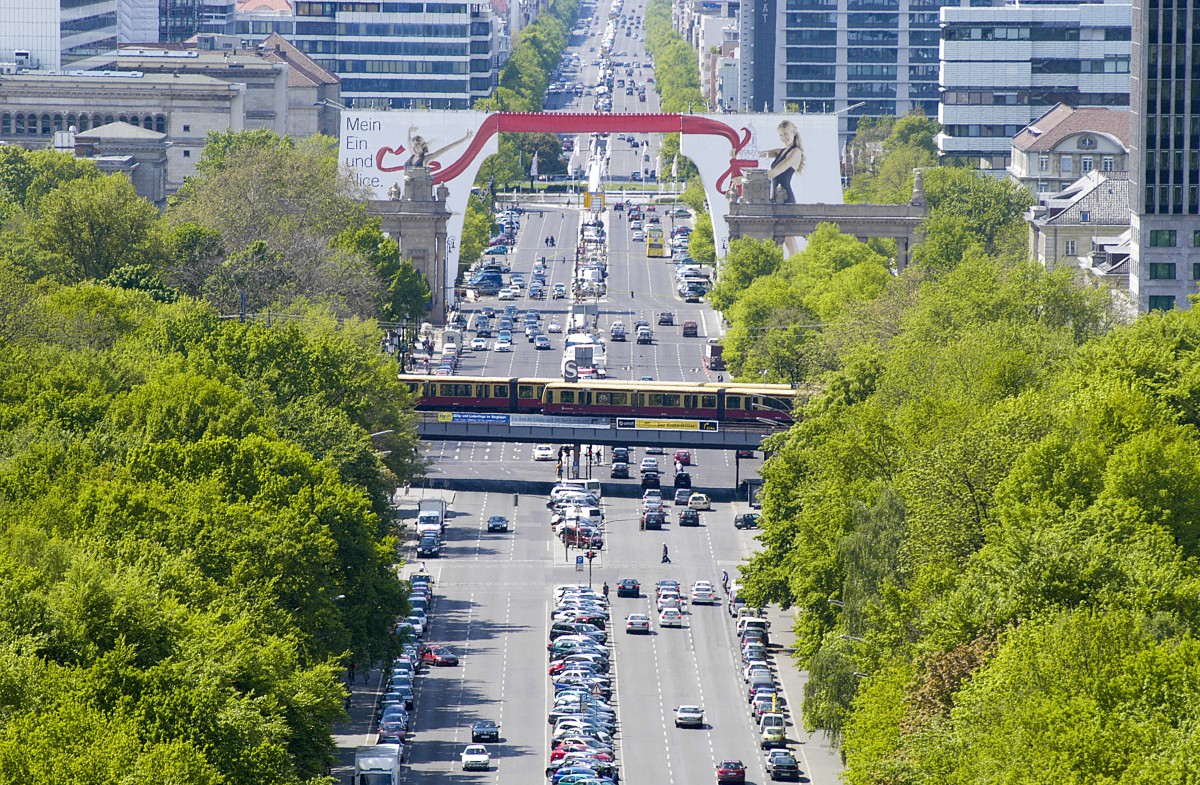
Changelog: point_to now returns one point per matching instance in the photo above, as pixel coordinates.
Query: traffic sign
(570, 371)
(579, 563)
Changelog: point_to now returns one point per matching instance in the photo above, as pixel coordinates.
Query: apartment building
(1003, 67)
(1065, 143)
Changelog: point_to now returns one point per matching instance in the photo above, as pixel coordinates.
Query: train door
(721, 404)
(691, 402)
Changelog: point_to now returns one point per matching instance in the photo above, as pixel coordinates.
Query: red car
(683, 457)
(438, 655)
(731, 771)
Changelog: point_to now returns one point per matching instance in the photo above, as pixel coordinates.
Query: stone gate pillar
(415, 217)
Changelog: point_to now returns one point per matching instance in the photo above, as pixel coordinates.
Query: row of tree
(986, 515)
(267, 217)
(196, 533)
(676, 80)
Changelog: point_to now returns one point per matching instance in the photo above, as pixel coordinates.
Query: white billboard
(799, 152)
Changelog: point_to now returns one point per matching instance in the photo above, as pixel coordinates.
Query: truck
(431, 515)
(378, 764)
(713, 360)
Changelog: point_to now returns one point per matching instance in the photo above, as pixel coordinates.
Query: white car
(502, 346)
(543, 452)
(554, 327)
(507, 294)
(689, 716)
(637, 623)
(670, 617)
(669, 600)
(699, 501)
(476, 758)
(479, 345)
(703, 596)
(650, 465)
(638, 235)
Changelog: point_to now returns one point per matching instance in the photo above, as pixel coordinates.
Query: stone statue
(394, 192)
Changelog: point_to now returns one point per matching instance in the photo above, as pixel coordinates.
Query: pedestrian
(351, 672)
(666, 559)
(422, 566)
(605, 589)
(725, 579)
(347, 703)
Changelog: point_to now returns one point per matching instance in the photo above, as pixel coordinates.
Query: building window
(1064, 164)
(1085, 164)
(1162, 271)
(1043, 163)
(187, 153)
(186, 128)
(1069, 247)
(1162, 302)
(1162, 238)
(1196, 238)
(1106, 163)
(1085, 216)
(1196, 271)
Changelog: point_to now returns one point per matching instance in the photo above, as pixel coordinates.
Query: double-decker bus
(655, 246)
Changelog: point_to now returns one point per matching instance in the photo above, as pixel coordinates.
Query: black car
(747, 520)
(689, 518)
(429, 547)
(783, 767)
(683, 480)
(653, 520)
(619, 471)
(620, 454)
(651, 480)
(628, 587)
(666, 317)
(485, 730)
(497, 523)
(745, 454)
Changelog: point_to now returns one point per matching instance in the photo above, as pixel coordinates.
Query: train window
(526, 392)
(456, 391)
(481, 391)
(620, 399)
(499, 390)
(566, 396)
(733, 401)
(664, 399)
(708, 401)
(603, 398)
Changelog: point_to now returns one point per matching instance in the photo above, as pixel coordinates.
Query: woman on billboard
(785, 162)
(419, 148)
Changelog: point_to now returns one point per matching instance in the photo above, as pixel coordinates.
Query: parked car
(746, 520)
(437, 655)
(783, 766)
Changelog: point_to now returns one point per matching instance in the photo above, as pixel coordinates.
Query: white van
(772, 730)
(752, 621)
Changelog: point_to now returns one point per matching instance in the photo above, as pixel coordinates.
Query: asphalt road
(494, 591)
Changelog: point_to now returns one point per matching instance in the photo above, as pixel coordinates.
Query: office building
(861, 58)
(179, 20)
(1165, 153)
(441, 55)
(257, 19)
(1057, 148)
(1003, 67)
(56, 35)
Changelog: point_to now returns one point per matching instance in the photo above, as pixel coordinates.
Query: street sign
(579, 564)
(635, 423)
(570, 371)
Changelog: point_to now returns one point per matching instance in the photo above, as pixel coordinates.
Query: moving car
(554, 327)
(689, 517)
(783, 766)
(475, 758)
(502, 346)
(688, 716)
(619, 471)
(629, 587)
(703, 594)
(746, 520)
(683, 457)
(479, 345)
(670, 617)
(543, 452)
(731, 770)
(497, 523)
(649, 465)
(429, 546)
(485, 730)
(437, 655)
(666, 317)
(541, 342)
(690, 328)
(699, 501)
(637, 623)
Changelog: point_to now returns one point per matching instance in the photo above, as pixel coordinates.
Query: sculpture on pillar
(918, 192)
(394, 192)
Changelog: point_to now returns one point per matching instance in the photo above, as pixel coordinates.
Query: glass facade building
(1165, 154)
(402, 55)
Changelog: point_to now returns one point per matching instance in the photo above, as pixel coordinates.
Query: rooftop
(1046, 132)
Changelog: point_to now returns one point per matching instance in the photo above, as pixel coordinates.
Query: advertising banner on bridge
(799, 153)
(376, 148)
(637, 423)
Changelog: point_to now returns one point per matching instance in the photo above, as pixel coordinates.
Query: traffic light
(591, 555)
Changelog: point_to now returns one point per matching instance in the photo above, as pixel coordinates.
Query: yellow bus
(654, 243)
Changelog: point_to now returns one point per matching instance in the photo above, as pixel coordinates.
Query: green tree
(89, 227)
(747, 260)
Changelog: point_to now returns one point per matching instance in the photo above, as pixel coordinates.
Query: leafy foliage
(196, 535)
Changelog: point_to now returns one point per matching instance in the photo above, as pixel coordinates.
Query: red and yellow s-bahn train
(725, 401)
